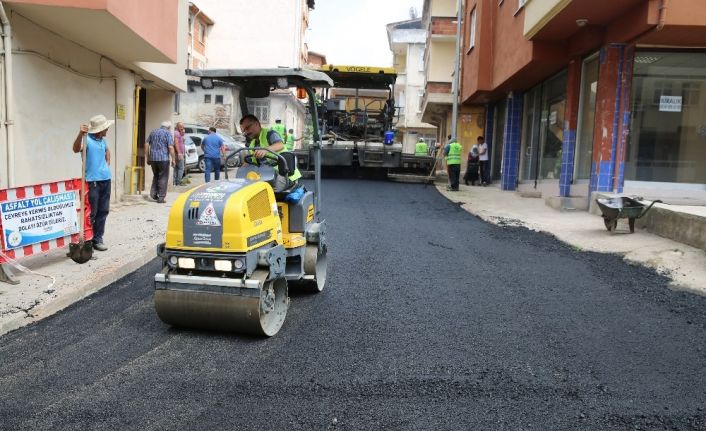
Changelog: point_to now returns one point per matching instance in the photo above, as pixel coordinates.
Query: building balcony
(442, 27)
(437, 102)
(126, 30)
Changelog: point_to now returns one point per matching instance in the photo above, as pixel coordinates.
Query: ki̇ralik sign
(43, 218)
(670, 103)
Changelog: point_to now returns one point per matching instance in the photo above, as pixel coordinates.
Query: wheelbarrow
(622, 207)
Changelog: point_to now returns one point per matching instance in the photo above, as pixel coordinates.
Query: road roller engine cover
(232, 246)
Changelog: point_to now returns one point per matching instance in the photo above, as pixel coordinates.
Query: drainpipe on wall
(457, 70)
(9, 95)
(661, 20)
(193, 37)
(662, 15)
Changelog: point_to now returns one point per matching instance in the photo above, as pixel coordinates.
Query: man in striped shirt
(159, 149)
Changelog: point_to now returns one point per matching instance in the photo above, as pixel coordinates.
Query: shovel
(82, 251)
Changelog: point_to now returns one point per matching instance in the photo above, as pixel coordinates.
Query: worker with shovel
(97, 173)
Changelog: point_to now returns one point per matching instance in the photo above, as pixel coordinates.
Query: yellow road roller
(233, 246)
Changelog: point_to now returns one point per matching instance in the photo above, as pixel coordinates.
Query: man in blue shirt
(213, 148)
(159, 149)
(97, 173)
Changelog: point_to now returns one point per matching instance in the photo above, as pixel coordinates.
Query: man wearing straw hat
(97, 173)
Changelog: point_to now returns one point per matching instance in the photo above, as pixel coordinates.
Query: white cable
(26, 270)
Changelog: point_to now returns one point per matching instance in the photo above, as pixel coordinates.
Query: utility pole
(457, 71)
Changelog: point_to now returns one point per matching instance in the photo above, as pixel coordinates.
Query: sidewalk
(685, 265)
(133, 230)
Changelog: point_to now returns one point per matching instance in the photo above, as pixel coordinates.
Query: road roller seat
(281, 185)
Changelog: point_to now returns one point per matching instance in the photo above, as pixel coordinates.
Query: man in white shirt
(483, 158)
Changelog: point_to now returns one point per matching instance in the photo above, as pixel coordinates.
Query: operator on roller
(260, 137)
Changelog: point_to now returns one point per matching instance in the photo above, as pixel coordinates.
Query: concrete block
(530, 194)
(682, 227)
(565, 204)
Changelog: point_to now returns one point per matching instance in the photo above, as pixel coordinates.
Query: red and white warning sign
(209, 217)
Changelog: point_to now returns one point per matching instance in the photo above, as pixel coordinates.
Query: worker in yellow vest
(279, 128)
(289, 140)
(261, 137)
(452, 152)
(421, 148)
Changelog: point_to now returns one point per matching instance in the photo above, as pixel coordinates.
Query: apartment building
(590, 96)
(236, 40)
(65, 61)
(439, 20)
(407, 40)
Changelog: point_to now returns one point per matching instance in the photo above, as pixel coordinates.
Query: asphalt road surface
(431, 320)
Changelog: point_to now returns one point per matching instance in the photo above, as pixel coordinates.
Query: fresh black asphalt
(431, 320)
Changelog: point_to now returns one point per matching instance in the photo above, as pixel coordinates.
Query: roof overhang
(106, 29)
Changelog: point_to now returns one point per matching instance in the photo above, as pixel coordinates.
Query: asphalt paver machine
(234, 246)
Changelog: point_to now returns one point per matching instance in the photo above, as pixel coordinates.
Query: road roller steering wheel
(277, 161)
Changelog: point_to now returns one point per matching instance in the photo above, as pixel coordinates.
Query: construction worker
(289, 140)
(261, 137)
(452, 152)
(421, 148)
(279, 128)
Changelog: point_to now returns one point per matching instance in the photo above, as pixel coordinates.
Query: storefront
(668, 131)
(543, 130)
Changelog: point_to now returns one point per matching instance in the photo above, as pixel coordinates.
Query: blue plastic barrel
(389, 137)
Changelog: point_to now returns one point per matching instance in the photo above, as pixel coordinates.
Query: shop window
(584, 142)
(668, 134)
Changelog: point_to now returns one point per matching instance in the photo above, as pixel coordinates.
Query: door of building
(496, 151)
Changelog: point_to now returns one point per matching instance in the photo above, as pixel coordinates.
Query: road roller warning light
(233, 247)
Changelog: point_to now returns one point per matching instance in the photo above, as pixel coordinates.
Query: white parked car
(198, 133)
(191, 161)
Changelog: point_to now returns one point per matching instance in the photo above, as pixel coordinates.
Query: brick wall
(438, 87)
(445, 26)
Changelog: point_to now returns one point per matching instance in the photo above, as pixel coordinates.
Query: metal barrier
(45, 213)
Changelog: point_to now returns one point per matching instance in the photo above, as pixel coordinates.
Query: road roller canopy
(259, 82)
(363, 77)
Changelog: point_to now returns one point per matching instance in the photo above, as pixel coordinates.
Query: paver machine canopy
(361, 104)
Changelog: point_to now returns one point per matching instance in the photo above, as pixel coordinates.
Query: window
(521, 3)
(207, 98)
(472, 31)
(661, 88)
(219, 99)
(260, 108)
(202, 33)
(691, 93)
(177, 99)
